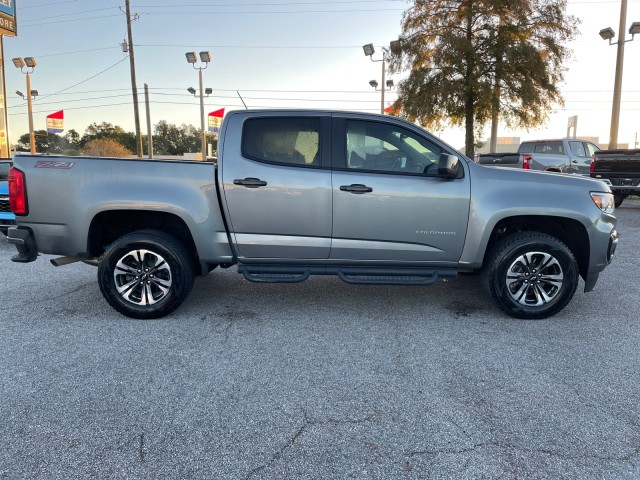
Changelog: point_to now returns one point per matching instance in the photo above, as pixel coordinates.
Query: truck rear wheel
(146, 274)
(618, 198)
(531, 275)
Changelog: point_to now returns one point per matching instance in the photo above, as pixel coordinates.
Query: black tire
(618, 198)
(515, 260)
(169, 274)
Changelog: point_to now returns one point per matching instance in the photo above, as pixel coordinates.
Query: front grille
(4, 204)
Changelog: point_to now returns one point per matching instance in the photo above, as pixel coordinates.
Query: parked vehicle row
(372, 199)
(563, 155)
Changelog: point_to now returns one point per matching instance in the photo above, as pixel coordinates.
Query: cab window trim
(323, 139)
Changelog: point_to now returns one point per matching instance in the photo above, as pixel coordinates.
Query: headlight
(604, 201)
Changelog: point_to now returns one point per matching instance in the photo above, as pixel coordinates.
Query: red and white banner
(215, 120)
(55, 122)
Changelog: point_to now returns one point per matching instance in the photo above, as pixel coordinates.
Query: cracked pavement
(318, 380)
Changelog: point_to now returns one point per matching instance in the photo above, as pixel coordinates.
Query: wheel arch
(107, 226)
(569, 231)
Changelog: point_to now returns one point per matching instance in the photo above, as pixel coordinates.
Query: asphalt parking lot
(318, 380)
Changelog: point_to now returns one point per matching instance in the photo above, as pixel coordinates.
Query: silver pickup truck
(564, 155)
(372, 199)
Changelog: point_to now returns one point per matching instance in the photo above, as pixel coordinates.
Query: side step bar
(349, 274)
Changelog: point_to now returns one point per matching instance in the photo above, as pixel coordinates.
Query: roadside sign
(8, 24)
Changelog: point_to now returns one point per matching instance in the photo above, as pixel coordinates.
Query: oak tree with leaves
(471, 61)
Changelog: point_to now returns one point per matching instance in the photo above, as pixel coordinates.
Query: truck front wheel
(146, 274)
(531, 275)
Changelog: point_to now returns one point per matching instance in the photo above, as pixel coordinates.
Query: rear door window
(577, 148)
(282, 140)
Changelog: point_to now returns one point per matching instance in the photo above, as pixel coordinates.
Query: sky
(274, 53)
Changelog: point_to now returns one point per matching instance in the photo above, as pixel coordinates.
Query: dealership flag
(391, 110)
(55, 122)
(215, 120)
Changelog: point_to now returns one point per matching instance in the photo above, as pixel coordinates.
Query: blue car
(6, 217)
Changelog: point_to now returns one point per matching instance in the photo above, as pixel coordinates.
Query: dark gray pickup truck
(621, 168)
(372, 199)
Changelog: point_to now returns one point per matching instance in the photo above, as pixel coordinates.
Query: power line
(46, 4)
(268, 4)
(66, 14)
(87, 79)
(262, 12)
(77, 51)
(293, 47)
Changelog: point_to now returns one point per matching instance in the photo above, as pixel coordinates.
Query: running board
(354, 275)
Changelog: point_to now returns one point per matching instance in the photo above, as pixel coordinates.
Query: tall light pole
(26, 66)
(369, 51)
(205, 58)
(608, 34)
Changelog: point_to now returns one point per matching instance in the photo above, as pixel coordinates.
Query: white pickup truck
(372, 199)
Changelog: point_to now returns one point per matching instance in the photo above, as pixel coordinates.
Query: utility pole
(617, 86)
(134, 88)
(149, 134)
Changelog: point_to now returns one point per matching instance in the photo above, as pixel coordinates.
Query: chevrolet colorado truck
(372, 199)
(565, 155)
(621, 169)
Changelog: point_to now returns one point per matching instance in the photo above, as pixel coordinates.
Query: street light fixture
(26, 66)
(191, 90)
(205, 58)
(369, 50)
(609, 34)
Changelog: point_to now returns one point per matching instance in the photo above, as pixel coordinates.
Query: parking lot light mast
(26, 66)
(369, 50)
(205, 58)
(609, 34)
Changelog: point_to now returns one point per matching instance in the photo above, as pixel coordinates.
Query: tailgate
(620, 163)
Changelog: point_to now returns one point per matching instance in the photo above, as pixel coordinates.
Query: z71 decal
(54, 164)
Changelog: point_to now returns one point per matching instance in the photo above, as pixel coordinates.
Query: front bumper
(592, 277)
(25, 243)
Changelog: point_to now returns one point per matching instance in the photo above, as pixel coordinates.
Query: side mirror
(448, 165)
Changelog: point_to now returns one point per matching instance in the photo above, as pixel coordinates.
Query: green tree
(73, 139)
(169, 139)
(473, 60)
(45, 143)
